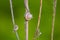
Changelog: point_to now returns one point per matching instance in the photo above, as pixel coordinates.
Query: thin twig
(17, 36)
(53, 19)
(13, 21)
(39, 19)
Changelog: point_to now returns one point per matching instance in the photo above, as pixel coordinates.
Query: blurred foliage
(6, 27)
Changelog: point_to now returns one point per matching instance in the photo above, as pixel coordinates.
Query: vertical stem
(39, 19)
(26, 25)
(26, 5)
(26, 22)
(53, 20)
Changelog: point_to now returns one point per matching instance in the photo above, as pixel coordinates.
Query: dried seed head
(28, 16)
(15, 28)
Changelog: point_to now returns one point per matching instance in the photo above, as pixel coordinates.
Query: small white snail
(28, 16)
(15, 28)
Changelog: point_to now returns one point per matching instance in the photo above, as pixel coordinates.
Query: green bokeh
(6, 27)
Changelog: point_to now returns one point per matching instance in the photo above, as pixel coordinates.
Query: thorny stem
(53, 20)
(39, 19)
(13, 18)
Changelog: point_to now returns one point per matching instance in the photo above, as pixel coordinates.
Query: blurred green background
(6, 27)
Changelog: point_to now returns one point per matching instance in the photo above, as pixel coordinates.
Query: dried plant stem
(13, 18)
(26, 25)
(26, 21)
(53, 19)
(39, 19)
(26, 5)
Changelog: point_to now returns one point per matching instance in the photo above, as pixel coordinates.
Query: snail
(15, 28)
(28, 16)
